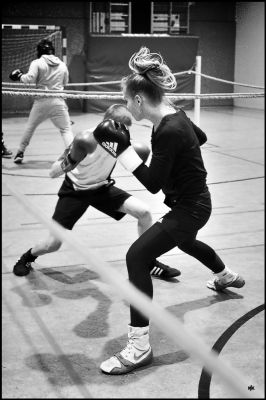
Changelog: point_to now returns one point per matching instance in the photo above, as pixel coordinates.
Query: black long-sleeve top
(176, 165)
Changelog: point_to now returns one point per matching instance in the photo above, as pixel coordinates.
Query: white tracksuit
(48, 73)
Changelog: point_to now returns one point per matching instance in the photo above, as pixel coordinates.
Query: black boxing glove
(15, 75)
(114, 137)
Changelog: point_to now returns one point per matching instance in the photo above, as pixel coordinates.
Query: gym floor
(62, 320)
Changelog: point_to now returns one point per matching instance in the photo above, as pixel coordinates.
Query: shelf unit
(170, 17)
(110, 17)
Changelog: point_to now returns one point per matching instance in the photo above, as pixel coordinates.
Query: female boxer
(178, 170)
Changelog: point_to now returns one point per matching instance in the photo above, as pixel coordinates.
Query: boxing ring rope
(188, 72)
(198, 76)
(163, 319)
(225, 81)
(66, 94)
(196, 96)
(119, 95)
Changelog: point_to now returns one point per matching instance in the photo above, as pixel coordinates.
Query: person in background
(48, 72)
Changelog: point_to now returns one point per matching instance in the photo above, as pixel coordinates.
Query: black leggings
(152, 244)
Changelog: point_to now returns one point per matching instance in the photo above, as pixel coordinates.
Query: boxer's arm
(202, 137)
(66, 77)
(32, 74)
(83, 144)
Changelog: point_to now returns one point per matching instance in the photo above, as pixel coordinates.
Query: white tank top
(93, 171)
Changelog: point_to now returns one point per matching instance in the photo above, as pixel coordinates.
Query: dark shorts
(187, 217)
(72, 203)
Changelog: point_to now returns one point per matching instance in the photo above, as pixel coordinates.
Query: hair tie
(150, 68)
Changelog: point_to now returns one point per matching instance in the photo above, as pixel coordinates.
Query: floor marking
(236, 157)
(205, 378)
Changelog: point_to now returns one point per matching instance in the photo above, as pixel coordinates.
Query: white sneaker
(136, 354)
(219, 285)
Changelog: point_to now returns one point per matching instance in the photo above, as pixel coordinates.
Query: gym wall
(108, 58)
(212, 22)
(249, 59)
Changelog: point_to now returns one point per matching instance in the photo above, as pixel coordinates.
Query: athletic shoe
(23, 265)
(131, 357)
(218, 285)
(5, 152)
(162, 271)
(19, 157)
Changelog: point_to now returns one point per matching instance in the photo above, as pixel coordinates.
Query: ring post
(197, 91)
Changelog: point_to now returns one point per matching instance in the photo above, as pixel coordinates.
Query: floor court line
(205, 378)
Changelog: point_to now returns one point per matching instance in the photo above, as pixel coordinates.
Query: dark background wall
(213, 22)
(107, 60)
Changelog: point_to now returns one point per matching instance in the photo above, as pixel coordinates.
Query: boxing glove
(15, 75)
(63, 165)
(114, 137)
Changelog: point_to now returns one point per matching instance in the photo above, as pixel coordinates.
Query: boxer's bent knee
(137, 257)
(136, 208)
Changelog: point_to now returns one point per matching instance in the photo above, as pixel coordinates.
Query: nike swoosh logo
(138, 358)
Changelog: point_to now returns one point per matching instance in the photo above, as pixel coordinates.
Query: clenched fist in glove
(114, 137)
(15, 75)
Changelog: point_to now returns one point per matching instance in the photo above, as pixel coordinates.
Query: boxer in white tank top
(87, 168)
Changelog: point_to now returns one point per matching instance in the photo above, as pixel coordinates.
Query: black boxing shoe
(23, 265)
(162, 271)
(5, 152)
(19, 157)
